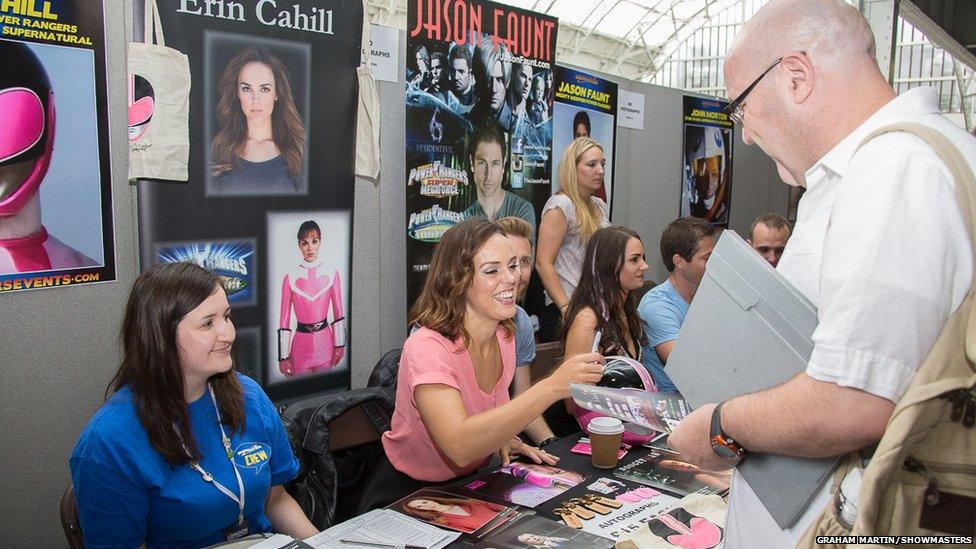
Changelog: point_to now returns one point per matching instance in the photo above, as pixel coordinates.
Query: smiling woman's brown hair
(287, 127)
(443, 301)
(151, 364)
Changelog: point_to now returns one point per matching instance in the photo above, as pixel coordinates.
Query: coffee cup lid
(605, 426)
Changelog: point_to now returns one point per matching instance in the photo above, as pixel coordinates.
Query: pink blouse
(431, 359)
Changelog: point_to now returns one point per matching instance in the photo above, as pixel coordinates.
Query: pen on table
(375, 544)
(596, 341)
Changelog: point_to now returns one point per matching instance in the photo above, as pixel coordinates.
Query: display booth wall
(60, 346)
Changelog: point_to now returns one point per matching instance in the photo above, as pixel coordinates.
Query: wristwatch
(546, 442)
(722, 444)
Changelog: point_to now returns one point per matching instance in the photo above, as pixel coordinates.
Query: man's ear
(800, 74)
(679, 262)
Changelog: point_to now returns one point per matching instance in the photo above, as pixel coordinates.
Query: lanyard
(207, 477)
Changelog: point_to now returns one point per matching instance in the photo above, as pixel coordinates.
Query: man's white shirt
(880, 247)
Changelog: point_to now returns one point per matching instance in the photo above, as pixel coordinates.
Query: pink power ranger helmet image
(27, 132)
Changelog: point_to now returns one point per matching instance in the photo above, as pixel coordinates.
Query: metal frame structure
(682, 44)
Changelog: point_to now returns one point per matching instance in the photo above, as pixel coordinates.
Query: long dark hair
(599, 289)
(287, 127)
(443, 301)
(151, 365)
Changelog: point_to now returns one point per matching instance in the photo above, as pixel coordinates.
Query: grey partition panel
(648, 173)
(60, 349)
(379, 253)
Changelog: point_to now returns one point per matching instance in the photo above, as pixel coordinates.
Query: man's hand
(691, 438)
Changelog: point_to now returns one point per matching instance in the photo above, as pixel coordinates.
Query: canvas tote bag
(368, 116)
(921, 480)
(159, 93)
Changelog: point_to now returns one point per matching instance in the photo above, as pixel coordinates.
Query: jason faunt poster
(479, 79)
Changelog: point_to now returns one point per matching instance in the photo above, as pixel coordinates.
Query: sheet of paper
(279, 541)
(630, 110)
(385, 527)
(384, 52)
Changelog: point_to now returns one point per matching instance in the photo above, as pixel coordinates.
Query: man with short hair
(462, 79)
(686, 244)
(519, 234)
(438, 78)
(879, 246)
(769, 235)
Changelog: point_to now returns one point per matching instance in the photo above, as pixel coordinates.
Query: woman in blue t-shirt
(186, 452)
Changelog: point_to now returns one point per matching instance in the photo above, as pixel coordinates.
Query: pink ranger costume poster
(267, 205)
(55, 180)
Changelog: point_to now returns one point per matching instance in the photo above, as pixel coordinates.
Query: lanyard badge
(241, 528)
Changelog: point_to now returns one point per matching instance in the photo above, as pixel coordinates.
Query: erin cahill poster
(479, 119)
(268, 203)
(55, 178)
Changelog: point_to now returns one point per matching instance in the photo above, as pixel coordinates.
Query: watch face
(724, 451)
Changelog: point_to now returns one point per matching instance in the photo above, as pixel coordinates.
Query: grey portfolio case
(749, 329)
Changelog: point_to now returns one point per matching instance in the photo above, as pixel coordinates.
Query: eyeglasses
(734, 109)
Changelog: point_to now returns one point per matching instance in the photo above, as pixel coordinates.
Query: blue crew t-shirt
(662, 310)
(128, 494)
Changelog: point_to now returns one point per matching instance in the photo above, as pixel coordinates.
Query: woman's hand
(516, 447)
(584, 368)
(337, 355)
(286, 367)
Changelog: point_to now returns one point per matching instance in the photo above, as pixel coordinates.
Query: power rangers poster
(706, 175)
(55, 176)
(268, 202)
(479, 119)
(585, 106)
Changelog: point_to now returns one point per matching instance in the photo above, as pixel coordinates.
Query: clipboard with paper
(749, 329)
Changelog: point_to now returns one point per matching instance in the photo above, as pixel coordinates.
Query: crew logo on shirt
(252, 455)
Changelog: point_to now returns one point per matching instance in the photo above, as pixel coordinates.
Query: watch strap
(722, 444)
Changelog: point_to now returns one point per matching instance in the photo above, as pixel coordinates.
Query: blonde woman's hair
(587, 214)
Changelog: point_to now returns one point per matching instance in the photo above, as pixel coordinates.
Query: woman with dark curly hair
(452, 405)
(260, 146)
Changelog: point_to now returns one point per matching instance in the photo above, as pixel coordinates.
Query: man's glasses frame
(734, 108)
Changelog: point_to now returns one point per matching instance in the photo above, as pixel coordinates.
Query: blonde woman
(568, 219)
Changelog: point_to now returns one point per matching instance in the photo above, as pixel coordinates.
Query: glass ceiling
(608, 34)
(650, 23)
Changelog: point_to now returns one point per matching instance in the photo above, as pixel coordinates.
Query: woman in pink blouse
(452, 405)
(316, 343)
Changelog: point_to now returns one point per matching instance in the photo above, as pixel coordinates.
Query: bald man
(879, 246)
(769, 235)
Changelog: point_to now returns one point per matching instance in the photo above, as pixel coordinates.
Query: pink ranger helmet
(27, 132)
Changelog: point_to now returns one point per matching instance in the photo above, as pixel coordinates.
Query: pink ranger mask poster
(55, 179)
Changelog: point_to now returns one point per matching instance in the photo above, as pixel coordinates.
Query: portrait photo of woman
(259, 139)
(447, 511)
